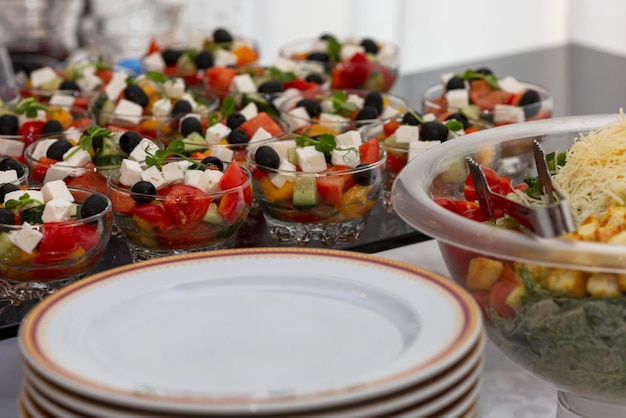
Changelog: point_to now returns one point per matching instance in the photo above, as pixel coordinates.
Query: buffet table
(583, 81)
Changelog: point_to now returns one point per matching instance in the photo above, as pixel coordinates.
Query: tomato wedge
(370, 151)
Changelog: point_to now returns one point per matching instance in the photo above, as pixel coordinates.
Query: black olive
(12, 164)
(235, 119)
(374, 99)
(143, 192)
(370, 46)
(189, 125)
(93, 205)
(181, 107)
(312, 106)
(316, 78)
(455, 83)
(135, 94)
(459, 117)
(58, 148)
(531, 102)
(221, 36)
(212, 161)
(7, 188)
(367, 113)
(204, 59)
(484, 71)
(410, 119)
(96, 144)
(9, 124)
(364, 177)
(237, 137)
(129, 140)
(69, 85)
(266, 157)
(434, 131)
(171, 56)
(7, 217)
(52, 126)
(271, 86)
(327, 37)
(318, 56)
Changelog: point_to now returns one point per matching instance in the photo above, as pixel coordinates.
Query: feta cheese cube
(73, 134)
(89, 82)
(41, 116)
(285, 65)
(26, 238)
(508, 113)
(154, 176)
(310, 159)
(356, 100)
(249, 111)
(418, 147)
(223, 153)
(142, 149)
(319, 45)
(348, 51)
(127, 111)
(154, 61)
(174, 173)
(327, 106)
(243, 83)
(511, 85)
(162, 107)
(387, 56)
(57, 210)
(335, 122)
(116, 85)
(175, 88)
(12, 147)
(348, 139)
(260, 135)
(59, 99)
(41, 76)
(407, 133)
(388, 112)
(56, 189)
(279, 179)
(224, 58)
(281, 147)
(212, 179)
(130, 172)
(429, 117)
(77, 157)
(61, 170)
(346, 156)
(8, 176)
(196, 179)
(215, 133)
(297, 118)
(288, 95)
(457, 98)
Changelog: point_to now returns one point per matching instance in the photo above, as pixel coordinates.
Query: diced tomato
(58, 241)
(522, 187)
(87, 235)
(234, 176)
(390, 127)
(153, 214)
(351, 73)
(493, 180)
(476, 214)
(219, 79)
(122, 202)
(498, 295)
(482, 298)
(153, 47)
(186, 205)
(505, 185)
(261, 120)
(231, 205)
(89, 180)
(395, 162)
(446, 203)
(488, 99)
(31, 131)
(463, 205)
(39, 172)
(370, 151)
(82, 102)
(298, 83)
(105, 74)
(331, 187)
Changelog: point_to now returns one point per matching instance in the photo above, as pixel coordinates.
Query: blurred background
(430, 34)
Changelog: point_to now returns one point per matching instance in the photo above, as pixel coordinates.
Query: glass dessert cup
(67, 251)
(334, 121)
(73, 120)
(433, 101)
(549, 321)
(398, 155)
(336, 204)
(367, 71)
(174, 222)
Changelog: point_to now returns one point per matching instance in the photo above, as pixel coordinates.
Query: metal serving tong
(550, 220)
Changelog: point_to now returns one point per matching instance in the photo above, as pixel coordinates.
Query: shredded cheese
(594, 176)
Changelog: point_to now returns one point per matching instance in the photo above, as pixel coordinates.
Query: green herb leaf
(334, 49)
(157, 77)
(340, 103)
(281, 76)
(228, 107)
(175, 148)
(23, 201)
(325, 143)
(454, 125)
(29, 107)
(491, 79)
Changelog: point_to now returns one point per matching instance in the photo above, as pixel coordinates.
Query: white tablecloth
(507, 390)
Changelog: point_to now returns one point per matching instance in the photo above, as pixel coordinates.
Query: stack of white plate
(280, 332)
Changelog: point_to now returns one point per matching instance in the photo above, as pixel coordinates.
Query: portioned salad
(563, 324)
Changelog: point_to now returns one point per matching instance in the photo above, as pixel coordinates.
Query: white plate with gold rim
(255, 330)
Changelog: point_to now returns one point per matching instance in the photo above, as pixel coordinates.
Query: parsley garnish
(281, 76)
(29, 107)
(491, 79)
(340, 103)
(324, 143)
(333, 48)
(87, 138)
(157, 77)
(175, 148)
(23, 201)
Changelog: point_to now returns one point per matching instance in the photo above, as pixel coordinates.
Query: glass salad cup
(432, 103)
(367, 71)
(547, 303)
(398, 155)
(178, 220)
(337, 123)
(67, 251)
(334, 218)
(74, 119)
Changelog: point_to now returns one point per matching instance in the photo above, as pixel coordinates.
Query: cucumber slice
(292, 156)
(5, 243)
(305, 192)
(194, 142)
(212, 216)
(52, 84)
